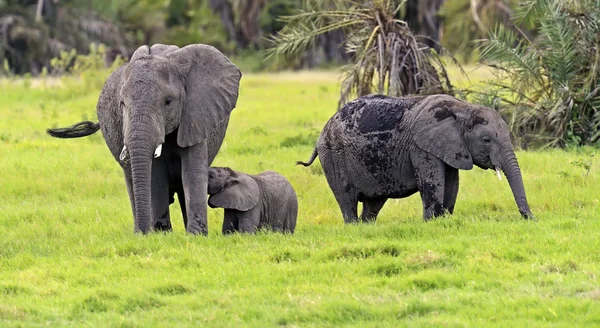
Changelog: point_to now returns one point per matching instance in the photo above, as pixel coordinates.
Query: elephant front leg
(451, 188)
(230, 222)
(430, 172)
(248, 221)
(194, 176)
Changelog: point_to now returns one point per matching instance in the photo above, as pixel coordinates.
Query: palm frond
(291, 42)
(531, 10)
(387, 56)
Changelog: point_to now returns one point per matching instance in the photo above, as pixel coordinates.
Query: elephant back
(374, 113)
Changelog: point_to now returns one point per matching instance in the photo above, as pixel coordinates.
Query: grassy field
(68, 256)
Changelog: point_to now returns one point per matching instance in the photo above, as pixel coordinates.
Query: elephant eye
(168, 101)
(487, 140)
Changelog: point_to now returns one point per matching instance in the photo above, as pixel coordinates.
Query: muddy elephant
(378, 147)
(253, 202)
(163, 116)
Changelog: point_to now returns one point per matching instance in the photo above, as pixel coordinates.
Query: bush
(549, 87)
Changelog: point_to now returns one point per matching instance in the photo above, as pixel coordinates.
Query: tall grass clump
(549, 86)
(387, 57)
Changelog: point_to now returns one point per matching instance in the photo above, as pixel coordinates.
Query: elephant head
(164, 90)
(231, 190)
(461, 134)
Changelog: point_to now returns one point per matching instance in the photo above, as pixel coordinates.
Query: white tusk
(158, 151)
(498, 173)
(123, 154)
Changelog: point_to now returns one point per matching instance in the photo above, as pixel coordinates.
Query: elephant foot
(196, 225)
(368, 220)
(145, 231)
(163, 223)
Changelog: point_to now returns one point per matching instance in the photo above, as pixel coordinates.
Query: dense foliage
(550, 85)
(32, 34)
(34, 31)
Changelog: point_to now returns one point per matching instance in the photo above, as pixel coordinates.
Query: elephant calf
(251, 202)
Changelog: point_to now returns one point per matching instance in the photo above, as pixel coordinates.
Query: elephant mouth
(485, 164)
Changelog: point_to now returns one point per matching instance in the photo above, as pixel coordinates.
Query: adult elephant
(171, 104)
(378, 147)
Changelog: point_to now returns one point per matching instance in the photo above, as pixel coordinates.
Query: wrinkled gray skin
(378, 147)
(251, 202)
(180, 98)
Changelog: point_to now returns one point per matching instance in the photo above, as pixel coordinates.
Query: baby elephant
(252, 202)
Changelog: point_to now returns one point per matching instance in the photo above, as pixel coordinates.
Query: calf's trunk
(510, 167)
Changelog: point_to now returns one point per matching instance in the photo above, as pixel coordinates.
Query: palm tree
(384, 48)
(241, 20)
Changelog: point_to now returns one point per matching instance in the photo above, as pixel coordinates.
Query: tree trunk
(38, 11)
(422, 18)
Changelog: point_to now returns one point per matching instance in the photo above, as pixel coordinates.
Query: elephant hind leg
(348, 203)
(160, 197)
(371, 209)
(345, 195)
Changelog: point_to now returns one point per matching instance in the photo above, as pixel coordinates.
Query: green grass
(68, 255)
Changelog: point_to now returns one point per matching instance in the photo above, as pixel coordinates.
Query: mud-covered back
(374, 113)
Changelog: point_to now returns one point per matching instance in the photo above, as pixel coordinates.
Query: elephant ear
(211, 90)
(240, 193)
(437, 130)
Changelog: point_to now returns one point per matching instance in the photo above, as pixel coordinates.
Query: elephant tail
(81, 129)
(311, 160)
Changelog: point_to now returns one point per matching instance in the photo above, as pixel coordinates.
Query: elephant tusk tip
(498, 173)
(158, 151)
(123, 154)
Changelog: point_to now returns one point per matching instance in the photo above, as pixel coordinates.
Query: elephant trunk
(141, 141)
(510, 167)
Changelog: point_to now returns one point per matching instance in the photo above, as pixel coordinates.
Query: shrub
(549, 87)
